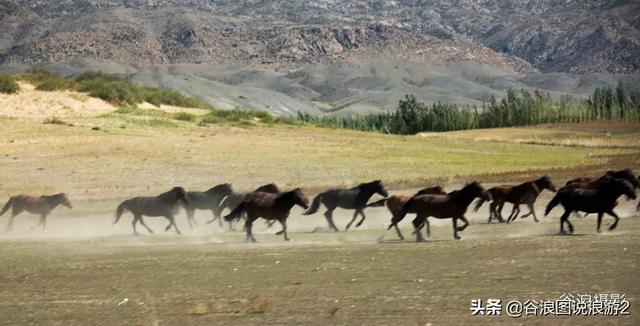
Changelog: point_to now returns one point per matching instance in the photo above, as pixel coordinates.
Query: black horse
(207, 200)
(162, 205)
(234, 199)
(353, 198)
(598, 199)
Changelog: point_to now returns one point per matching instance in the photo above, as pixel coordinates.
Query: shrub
(45, 80)
(118, 92)
(8, 84)
(184, 116)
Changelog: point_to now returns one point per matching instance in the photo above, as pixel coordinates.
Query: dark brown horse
(234, 199)
(395, 202)
(353, 198)
(590, 183)
(162, 205)
(452, 205)
(524, 193)
(598, 199)
(42, 206)
(207, 200)
(269, 206)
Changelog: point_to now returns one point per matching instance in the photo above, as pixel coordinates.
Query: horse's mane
(270, 187)
(220, 186)
(366, 184)
(169, 196)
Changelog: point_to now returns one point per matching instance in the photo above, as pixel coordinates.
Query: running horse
(354, 198)
(590, 183)
(452, 205)
(234, 199)
(599, 199)
(525, 193)
(42, 206)
(270, 206)
(161, 205)
(207, 200)
(395, 202)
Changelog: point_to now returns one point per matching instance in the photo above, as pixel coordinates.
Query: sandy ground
(32, 103)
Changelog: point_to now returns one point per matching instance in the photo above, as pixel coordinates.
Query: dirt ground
(84, 270)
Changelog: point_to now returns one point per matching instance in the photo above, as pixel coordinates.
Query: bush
(238, 115)
(117, 92)
(8, 84)
(45, 80)
(184, 116)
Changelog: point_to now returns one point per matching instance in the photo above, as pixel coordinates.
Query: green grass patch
(134, 110)
(184, 116)
(8, 84)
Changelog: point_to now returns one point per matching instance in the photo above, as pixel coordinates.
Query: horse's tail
(6, 206)
(378, 203)
(314, 205)
(479, 204)
(403, 212)
(120, 211)
(553, 203)
(235, 214)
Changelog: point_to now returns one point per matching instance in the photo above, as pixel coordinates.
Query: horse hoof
(612, 227)
(279, 232)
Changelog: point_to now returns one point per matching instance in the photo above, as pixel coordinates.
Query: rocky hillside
(295, 39)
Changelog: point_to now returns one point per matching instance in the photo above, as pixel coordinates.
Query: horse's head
(181, 194)
(545, 183)
(300, 198)
(379, 188)
(626, 188)
(625, 174)
(64, 200)
(477, 190)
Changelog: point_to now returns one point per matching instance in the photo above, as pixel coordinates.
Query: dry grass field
(83, 268)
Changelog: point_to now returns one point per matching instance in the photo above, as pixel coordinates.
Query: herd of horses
(587, 195)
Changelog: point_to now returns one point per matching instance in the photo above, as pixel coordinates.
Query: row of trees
(517, 108)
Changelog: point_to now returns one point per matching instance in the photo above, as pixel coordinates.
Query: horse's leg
(511, 217)
(134, 222)
(454, 222)
(43, 222)
(14, 212)
(418, 222)
(190, 219)
(398, 231)
(565, 219)
(362, 219)
(426, 223)
(355, 215)
(599, 222)
(466, 224)
(532, 211)
(492, 208)
(216, 215)
(499, 212)
(247, 226)
(145, 225)
(329, 216)
(284, 228)
(173, 222)
(615, 223)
